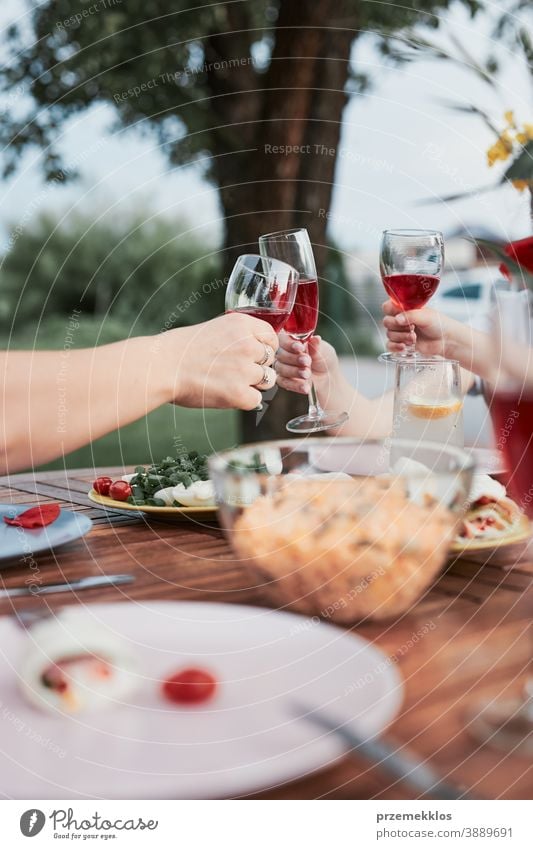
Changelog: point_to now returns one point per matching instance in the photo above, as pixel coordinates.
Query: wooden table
(473, 620)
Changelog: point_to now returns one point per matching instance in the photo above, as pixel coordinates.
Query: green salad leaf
(186, 468)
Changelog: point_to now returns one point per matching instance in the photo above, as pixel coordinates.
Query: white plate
(488, 461)
(368, 459)
(19, 543)
(244, 740)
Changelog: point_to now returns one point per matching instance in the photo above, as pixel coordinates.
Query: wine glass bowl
(410, 264)
(294, 248)
(262, 287)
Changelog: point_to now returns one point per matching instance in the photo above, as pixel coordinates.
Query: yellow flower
(501, 149)
(525, 135)
(521, 185)
(509, 117)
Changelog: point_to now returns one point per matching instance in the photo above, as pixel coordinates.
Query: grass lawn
(157, 436)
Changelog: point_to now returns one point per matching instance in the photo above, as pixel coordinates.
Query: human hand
(429, 329)
(298, 363)
(221, 363)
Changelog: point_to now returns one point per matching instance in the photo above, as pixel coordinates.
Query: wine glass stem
(409, 349)
(315, 411)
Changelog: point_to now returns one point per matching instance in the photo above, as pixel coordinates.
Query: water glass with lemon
(428, 402)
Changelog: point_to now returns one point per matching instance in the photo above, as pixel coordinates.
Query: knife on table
(386, 756)
(89, 583)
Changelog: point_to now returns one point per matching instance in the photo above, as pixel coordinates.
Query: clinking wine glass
(294, 247)
(505, 722)
(410, 264)
(263, 287)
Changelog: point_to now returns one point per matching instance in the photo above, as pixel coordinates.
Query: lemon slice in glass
(425, 408)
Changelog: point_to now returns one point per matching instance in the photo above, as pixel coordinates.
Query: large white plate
(20, 543)
(246, 739)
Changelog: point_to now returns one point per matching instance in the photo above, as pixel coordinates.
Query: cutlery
(81, 584)
(419, 776)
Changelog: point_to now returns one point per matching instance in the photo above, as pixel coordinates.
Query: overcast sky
(399, 145)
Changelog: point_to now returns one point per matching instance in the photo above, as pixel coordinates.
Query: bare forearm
(368, 417)
(470, 347)
(56, 401)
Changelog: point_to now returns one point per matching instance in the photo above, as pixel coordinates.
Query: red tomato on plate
(189, 686)
(120, 491)
(101, 485)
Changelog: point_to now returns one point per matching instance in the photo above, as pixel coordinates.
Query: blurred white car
(468, 295)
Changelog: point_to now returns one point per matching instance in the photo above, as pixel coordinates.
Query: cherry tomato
(101, 485)
(189, 686)
(120, 491)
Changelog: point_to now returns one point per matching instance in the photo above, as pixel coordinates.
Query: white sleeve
(482, 323)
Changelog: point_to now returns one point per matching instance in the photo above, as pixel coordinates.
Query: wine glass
(410, 263)
(264, 288)
(294, 247)
(508, 723)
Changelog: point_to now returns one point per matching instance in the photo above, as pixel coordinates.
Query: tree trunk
(287, 179)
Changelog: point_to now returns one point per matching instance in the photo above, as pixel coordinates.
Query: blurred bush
(127, 278)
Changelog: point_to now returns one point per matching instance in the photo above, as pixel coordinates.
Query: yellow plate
(519, 534)
(164, 512)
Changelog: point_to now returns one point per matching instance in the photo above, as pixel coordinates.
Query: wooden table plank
(474, 644)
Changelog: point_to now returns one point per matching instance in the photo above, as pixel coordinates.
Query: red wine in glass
(303, 319)
(410, 263)
(262, 287)
(410, 291)
(512, 414)
(276, 318)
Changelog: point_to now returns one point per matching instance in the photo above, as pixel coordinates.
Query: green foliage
(53, 331)
(521, 168)
(125, 279)
(169, 68)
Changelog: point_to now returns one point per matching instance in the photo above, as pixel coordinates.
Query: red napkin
(35, 517)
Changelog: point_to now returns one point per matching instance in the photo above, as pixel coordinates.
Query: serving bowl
(340, 528)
